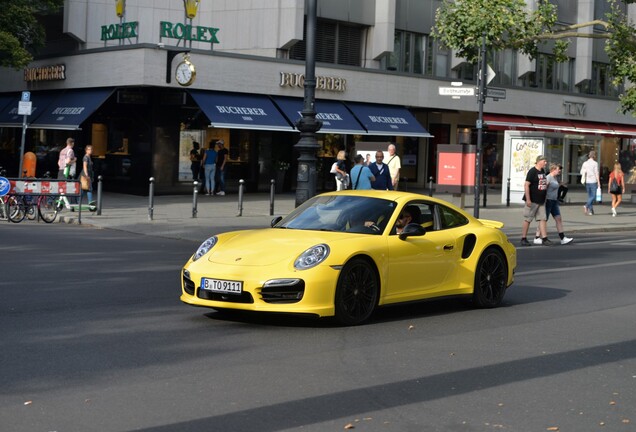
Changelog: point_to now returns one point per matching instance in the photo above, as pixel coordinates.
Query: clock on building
(185, 72)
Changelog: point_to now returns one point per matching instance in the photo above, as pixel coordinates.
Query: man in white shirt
(394, 166)
(590, 173)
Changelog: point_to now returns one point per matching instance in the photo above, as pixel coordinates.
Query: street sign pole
(24, 128)
(24, 108)
(480, 123)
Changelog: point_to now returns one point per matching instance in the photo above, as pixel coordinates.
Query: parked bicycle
(30, 206)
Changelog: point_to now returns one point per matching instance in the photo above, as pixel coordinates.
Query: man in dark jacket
(380, 171)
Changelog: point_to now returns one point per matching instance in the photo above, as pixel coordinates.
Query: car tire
(357, 292)
(491, 277)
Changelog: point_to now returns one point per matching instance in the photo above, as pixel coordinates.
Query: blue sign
(26, 96)
(5, 186)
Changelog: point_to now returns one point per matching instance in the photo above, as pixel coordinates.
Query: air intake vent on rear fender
(469, 245)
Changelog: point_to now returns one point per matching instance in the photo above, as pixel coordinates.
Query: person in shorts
(552, 205)
(535, 188)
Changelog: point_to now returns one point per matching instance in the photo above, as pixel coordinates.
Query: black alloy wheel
(490, 279)
(357, 292)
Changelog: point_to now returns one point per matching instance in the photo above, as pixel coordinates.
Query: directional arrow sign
(490, 74)
(457, 91)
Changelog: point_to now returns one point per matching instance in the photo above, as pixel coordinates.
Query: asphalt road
(94, 338)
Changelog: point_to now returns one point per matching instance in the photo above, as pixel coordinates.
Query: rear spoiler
(492, 223)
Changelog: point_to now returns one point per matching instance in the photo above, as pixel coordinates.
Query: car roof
(397, 196)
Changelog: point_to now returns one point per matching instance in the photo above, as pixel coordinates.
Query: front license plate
(222, 286)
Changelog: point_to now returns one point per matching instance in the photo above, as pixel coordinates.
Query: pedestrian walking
(616, 187)
(590, 176)
(552, 205)
(87, 171)
(535, 188)
(66, 163)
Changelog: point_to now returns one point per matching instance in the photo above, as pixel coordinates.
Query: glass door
(579, 148)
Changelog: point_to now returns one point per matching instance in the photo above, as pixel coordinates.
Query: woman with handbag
(339, 169)
(86, 176)
(616, 187)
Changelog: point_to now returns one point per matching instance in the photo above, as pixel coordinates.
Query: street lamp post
(308, 125)
(480, 123)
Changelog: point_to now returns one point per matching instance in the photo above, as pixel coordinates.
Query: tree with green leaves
(20, 32)
(509, 24)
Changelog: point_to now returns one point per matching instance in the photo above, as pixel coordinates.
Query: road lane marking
(576, 268)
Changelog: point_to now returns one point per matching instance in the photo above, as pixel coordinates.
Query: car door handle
(448, 247)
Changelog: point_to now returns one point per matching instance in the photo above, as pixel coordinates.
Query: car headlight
(204, 248)
(312, 257)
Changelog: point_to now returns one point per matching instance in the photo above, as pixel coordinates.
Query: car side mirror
(412, 230)
(276, 220)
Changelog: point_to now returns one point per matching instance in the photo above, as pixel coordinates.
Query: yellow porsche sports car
(345, 253)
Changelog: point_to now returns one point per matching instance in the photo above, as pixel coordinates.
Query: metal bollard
(430, 186)
(195, 193)
(151, 198)
(272, 189)
(240, 197)
(508, 192)
(99, 195)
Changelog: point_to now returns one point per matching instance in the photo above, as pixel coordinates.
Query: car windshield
(343, 213)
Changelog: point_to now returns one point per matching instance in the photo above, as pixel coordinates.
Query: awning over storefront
(387, 120)
(71, 108)
(504, 122)
(4, 100)
(240, 111)
(9, 116)
(335, 117)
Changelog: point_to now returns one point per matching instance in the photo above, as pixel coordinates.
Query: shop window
(336, 43)
(99, 139)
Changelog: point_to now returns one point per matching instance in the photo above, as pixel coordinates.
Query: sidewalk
(172, 214)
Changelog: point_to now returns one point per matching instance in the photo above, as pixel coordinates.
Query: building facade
(109, 77)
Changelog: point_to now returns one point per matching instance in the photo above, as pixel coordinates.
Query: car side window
(449, 218)
(424, 215)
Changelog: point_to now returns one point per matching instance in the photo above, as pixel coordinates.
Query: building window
(437, 59)
(601, 82)
(550, 74)
(407, 55)
(336, 43)
(466, 72)
(504, 64)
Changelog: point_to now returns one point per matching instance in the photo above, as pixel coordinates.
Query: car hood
(269, 246)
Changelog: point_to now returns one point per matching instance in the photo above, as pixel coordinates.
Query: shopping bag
(86, 182)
